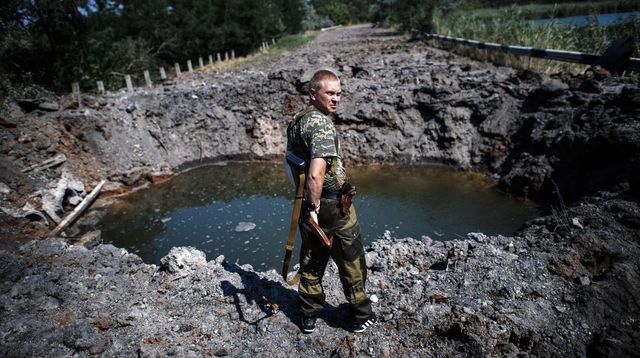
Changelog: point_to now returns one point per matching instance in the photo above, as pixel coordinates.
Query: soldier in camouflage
(312, 136)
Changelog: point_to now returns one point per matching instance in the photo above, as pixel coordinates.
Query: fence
(558, 55)
(128, 80)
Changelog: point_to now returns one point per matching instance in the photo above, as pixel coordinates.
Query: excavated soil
(564, 285)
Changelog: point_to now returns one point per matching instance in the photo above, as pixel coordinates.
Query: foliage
(406, 14)
(555, 9)
(508, 26)
(344, 12)
(313, 21)
(53, 43)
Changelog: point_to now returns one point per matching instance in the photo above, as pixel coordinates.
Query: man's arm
(315, 180)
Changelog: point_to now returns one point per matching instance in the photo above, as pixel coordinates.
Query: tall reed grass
(563, 9)
(509, 26)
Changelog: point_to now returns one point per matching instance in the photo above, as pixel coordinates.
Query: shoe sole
(365, 325)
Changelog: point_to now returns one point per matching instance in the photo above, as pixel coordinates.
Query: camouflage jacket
(311, 135)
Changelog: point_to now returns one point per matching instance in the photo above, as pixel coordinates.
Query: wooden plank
(147, 79)
(127, 79)
(100, 87)
(51, 162)
(78, 210)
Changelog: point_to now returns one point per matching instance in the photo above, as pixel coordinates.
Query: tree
(57, 42)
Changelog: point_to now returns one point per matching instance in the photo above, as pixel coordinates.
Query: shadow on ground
(271, 296)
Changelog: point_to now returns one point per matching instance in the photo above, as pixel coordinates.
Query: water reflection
(204, 207)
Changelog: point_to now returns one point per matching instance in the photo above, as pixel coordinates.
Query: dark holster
(347, 192)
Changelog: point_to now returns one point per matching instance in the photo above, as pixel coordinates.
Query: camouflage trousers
(347, 252)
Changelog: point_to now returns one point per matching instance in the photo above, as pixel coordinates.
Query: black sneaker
(361, 327)
(308, 324)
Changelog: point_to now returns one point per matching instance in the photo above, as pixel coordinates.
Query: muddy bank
(565, 284)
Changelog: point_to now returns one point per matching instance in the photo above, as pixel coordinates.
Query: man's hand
(314, 216)
(315, 180)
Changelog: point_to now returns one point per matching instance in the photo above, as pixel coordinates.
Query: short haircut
(319, 76)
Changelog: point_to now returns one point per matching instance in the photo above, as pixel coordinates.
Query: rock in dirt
(183, 260)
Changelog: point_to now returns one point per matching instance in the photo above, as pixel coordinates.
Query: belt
(332, 195)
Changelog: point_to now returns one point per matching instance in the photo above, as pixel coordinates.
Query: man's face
(326, 98)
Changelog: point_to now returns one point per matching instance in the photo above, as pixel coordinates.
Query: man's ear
(312, 94)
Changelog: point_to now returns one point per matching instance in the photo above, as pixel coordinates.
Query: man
(312, 136)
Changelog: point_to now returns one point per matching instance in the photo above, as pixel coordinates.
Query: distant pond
(600, 19)
(243, 210)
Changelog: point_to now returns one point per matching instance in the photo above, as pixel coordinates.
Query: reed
(509, 26)
(560, 9)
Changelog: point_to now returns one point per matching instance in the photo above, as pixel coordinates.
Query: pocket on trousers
(351, 241)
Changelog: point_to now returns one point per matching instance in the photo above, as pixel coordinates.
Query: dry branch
(78, 210)
(51, 162)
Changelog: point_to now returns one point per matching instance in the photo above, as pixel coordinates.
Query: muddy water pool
(243, 210)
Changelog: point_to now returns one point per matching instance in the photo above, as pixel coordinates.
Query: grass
(543, 11)
(268, 56)
(510, 27)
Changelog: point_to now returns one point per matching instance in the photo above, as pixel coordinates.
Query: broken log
(51, 162)
(78, 210)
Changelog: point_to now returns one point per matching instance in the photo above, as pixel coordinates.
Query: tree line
(48, 44)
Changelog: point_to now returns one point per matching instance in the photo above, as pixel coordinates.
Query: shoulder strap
(298, 116)
(295, 216)
(297, 207)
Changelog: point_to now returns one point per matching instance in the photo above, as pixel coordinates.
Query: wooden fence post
(163, 75)
(178, 73)
(273, 41)
(226, 55)
(189, 66)
(147, 79)
(200, 63)
(233, 54)
(75, 89)
(210, 60)
(218, 57)
(127, 79)
(100, 87)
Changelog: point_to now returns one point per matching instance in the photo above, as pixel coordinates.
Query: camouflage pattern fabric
(311, 135)
(347, 252)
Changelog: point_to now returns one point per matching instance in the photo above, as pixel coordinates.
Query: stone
(4, 188)
(90, 239)
(576, 222)
(82, 336)
(183, 260)
(10, 269)
(49, 106)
